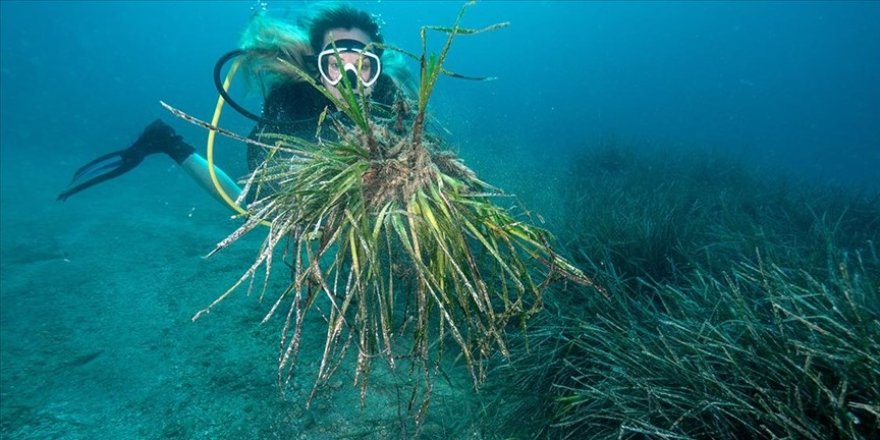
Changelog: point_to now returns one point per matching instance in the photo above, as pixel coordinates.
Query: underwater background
(741, 131)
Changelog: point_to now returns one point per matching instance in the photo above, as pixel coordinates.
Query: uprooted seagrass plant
(398, 234)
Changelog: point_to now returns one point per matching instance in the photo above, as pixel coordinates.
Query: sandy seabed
(98, 342)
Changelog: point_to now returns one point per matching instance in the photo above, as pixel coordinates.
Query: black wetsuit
(293, 108)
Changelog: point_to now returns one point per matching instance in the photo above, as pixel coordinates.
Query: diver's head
(344, 40)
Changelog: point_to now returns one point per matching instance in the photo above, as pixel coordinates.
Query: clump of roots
(403, 168)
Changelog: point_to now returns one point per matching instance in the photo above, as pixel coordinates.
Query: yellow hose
(210, 147)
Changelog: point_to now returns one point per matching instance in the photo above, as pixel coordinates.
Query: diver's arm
(197, 167)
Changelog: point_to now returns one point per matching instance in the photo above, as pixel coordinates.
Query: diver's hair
(264, 41)
(267, 38)
(341, 16)
(269, 33)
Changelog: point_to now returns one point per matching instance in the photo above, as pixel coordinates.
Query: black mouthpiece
(352, 78)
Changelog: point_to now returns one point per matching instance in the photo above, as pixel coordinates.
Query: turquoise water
(97, 293)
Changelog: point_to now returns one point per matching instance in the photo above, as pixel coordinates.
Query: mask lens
(366, 65)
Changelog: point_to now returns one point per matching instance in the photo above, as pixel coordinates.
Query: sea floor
(97, 340)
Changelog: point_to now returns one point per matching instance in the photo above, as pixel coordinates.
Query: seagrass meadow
(657, 221)
(741, 306)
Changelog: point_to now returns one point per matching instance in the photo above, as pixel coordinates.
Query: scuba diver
(316, 45)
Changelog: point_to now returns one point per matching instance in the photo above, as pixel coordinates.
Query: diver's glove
(158, 137)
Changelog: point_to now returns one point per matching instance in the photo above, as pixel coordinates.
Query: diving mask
(365, 65)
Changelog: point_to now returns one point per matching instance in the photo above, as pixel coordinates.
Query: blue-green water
(97, 294)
